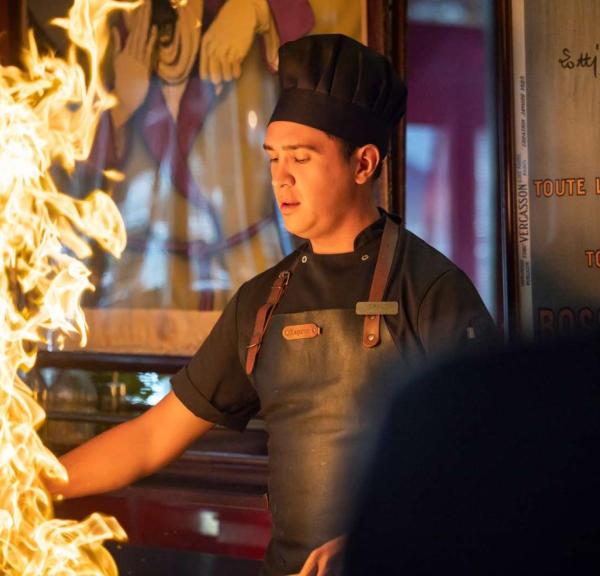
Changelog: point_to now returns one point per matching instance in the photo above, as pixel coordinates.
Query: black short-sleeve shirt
(441, 312)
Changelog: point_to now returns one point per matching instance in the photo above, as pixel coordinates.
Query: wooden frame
(167, 341)
(11, 19)
(505, 150)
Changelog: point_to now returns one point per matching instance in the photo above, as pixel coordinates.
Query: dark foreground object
(142, 561)
(488, 466)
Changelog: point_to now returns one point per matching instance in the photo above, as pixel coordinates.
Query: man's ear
(367, 160)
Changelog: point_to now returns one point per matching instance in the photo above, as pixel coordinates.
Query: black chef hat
(336, 84)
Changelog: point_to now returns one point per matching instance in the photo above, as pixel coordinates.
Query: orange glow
(49, 111)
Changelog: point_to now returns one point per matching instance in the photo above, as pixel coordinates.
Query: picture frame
(123, 337)
(547, 91)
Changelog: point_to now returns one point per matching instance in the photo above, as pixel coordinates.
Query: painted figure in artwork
(192, 91)
(195, 83)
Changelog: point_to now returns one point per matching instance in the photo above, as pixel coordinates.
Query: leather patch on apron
(301, 331)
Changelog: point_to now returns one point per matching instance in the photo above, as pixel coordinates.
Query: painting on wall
(195, 84)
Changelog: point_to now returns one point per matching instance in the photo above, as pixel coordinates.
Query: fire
(49, 111)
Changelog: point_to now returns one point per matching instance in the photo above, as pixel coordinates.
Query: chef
(303, 342)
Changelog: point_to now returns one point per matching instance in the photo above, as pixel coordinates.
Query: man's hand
(132, 64)
(227, 41)
(326, 560)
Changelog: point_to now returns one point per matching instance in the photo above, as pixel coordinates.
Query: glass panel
(450, 198)
(187, 135)
(427, 175)
(451, 12)
(196, 195)
(81, 404)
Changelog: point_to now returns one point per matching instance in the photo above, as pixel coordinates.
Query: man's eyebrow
(310, 147)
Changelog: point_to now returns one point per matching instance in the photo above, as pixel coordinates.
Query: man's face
(312, 180)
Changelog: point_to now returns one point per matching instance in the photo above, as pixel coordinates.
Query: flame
(49, 111)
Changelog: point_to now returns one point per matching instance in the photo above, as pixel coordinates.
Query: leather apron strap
(264, 314)
(385, 258)
(371, 331)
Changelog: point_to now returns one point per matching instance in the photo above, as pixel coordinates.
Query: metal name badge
(301, 331)
(377, 308)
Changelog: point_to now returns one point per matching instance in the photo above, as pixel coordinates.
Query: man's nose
(280, 174)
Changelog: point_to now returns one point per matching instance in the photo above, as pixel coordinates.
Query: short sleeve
(453, 318)
(214, 385)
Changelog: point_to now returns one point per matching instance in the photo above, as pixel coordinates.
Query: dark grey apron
(320, 387)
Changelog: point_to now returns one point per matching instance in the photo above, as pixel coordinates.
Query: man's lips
(288, 207)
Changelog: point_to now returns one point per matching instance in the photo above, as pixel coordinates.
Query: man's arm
(131, 450)
(453, 318)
